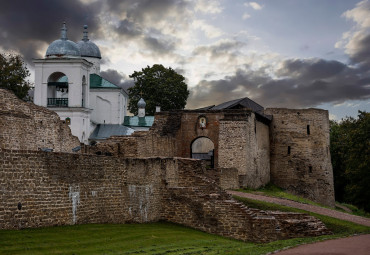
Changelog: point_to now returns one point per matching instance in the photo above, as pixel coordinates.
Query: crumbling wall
(44, 189)
(300, 154)
(26, 126)
(40, 189)
(196, 201)
(244, 145)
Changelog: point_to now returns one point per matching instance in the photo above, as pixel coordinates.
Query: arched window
(57, 90)
(203, 148)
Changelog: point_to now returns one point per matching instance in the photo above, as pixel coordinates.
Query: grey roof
(63, 46)
(243, 102)
(104, 131)
(88, 48)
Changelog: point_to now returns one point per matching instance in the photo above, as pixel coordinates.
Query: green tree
(159, 86)
(350, 151)
(13, 74)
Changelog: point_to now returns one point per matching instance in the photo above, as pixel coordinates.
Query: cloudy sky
(280, 53)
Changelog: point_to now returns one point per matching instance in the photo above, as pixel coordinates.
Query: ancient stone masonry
(27, 126)
(295, 145)
(145, 177)
(300, 154)
(244, 144)
(45, 189)
(240, 140)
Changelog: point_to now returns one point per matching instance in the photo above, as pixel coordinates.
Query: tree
(13, 74)
(158, 86)
(350, 151)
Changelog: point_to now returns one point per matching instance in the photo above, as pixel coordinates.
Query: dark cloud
(300, 86)
(361, 50)
(147, 12)
(118, 78)
(160, 46)
(29, 26)
(128, 29)
(310, 69)
(221, 48)
(26, 26)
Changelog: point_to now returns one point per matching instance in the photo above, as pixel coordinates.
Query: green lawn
(274, 191)
(153, 238)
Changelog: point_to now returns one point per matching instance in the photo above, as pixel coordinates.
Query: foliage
(350, 152)
(159, 86)
(13, 74)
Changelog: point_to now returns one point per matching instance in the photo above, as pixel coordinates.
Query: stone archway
(203, 148)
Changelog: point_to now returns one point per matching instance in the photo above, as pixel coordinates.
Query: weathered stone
(300, 154)
(26, 126)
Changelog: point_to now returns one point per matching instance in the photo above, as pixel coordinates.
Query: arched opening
(84, 91)
(203, 148)
(58, 90)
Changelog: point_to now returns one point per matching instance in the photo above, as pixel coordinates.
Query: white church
(68, 82)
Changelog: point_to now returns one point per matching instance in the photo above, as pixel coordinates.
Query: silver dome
(141, 103)
(88, 48)
(63, 46)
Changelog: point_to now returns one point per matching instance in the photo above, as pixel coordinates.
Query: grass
(155, 238)
(355, 210)
(338, 227)
(274, 191)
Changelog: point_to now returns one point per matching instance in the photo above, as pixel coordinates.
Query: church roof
(63, 46)
(98, 82)
(88, 48)
(104, 131)
(135, 121)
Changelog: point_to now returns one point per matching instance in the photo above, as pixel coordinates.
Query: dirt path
(306, 207)
(354, 245)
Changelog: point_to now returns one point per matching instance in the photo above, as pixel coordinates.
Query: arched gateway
(203, 148)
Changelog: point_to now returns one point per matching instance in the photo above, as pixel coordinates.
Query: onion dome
(87, 47)
(141, 103)
(63, 46)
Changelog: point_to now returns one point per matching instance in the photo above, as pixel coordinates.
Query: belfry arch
(203, 148)
(57, 91)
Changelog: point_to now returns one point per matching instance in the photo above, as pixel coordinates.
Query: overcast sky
(280, 53)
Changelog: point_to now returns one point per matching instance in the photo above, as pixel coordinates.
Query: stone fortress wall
(109, 183)
(300, 153)
(300, 162)
(26, 126)
(39, 189)
(241, 142)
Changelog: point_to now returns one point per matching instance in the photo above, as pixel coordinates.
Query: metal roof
(88, 48)
(135, 121)
(104, 131)
(98, 82)
(244, 102)
(63, 46)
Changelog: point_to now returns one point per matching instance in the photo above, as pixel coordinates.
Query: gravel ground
(354, 245)
(306, 207)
